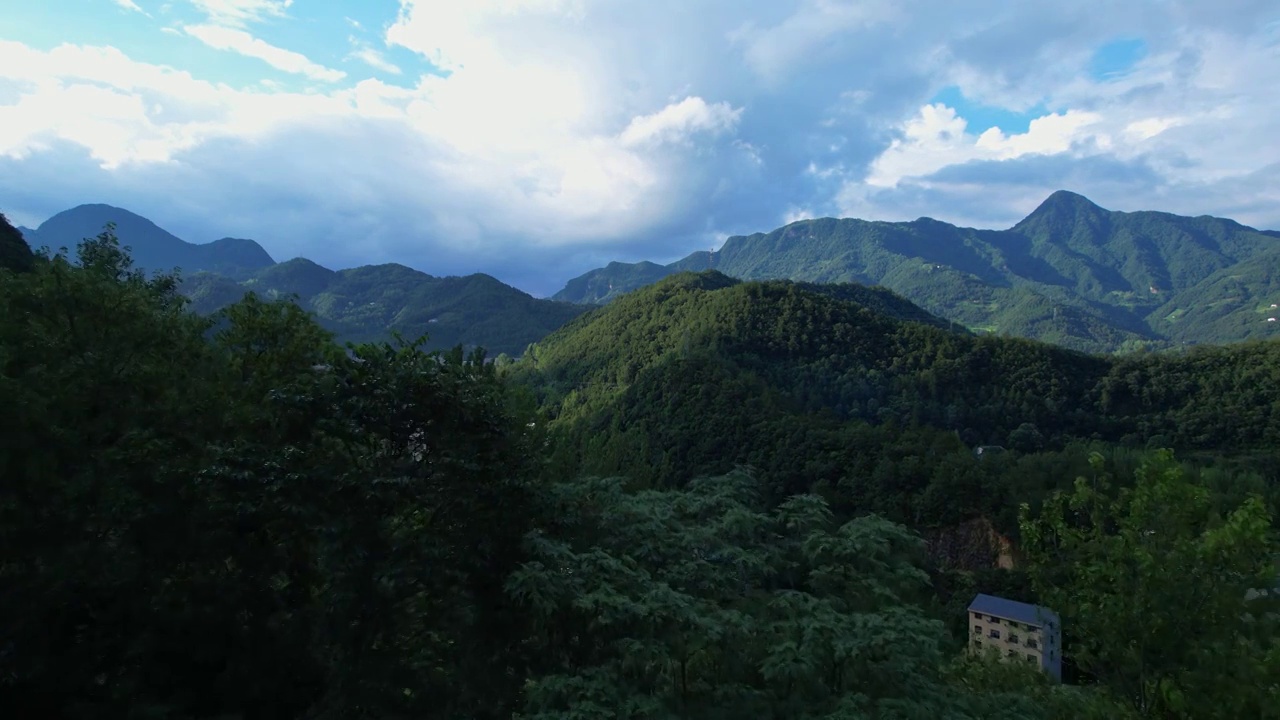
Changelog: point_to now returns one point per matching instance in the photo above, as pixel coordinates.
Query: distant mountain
(367, 303)
(153, 248)
(360, 304)
(1070, 273)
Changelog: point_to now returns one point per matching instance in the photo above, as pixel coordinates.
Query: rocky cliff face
(972, 545)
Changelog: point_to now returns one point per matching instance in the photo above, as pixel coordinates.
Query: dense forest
(710, 499)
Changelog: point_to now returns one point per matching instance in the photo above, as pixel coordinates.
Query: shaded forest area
(235, 517)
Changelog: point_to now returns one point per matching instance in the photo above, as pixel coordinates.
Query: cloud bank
(535, 139)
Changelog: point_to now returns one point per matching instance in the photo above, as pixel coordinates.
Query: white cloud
(937, 138)
(1147, 128)
(773, 52)
(796, 214)
(130, 5)
(572, 129)
(375, 60)
(678, 121)
(453, 34)
(238, 13)
(239, 41)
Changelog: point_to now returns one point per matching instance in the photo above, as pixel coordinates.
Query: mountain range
(357, 304)
(1070, 273)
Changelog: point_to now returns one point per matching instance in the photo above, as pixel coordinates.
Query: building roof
(1013, 610)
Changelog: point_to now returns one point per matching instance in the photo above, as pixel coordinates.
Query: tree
(15, 253)
(239, 517)
(1157, 586)
(701, 603)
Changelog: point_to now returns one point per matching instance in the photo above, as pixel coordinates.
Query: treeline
(234, 517)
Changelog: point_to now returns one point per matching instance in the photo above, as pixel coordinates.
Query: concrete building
(1017, 632)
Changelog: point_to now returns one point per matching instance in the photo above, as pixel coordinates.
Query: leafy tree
(1158, 590)
(242, 518)
(700, 603)
(15, 253)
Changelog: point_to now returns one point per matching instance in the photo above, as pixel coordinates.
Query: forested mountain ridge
(366, 304)
(359, 304)
(700, 372)
(153, 248)
(1070, 273)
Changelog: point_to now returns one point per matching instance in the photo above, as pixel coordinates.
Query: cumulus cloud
(677, 122)
(534, 139)
(937, 138)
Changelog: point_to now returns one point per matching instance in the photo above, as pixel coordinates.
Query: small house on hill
(1017, 631)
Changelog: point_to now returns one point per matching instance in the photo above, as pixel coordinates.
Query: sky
(534, 140)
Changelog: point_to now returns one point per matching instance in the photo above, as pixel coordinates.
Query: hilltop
(1070, 273)
(700, 372)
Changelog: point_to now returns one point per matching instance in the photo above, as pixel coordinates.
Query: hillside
(359, 304)
(701, 372)
(366, 304)
(1071, 272)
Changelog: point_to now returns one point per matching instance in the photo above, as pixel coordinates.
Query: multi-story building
(1017, 632)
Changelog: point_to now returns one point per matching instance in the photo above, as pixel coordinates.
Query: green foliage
(702, 603)
(1159, 587)
(15, 254)
(243, 519)
(233, 516)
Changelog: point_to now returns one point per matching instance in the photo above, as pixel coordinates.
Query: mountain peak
(1065, 199)
(1063, 211)
(153, 247)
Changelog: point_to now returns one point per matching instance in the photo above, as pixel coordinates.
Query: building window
(1031, 658)
(977, 629)
(1013, 638)
(1031, 642)
(995, 634)
(993, 619)
(1013, 653)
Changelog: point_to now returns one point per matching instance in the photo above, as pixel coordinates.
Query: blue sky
(537, 139)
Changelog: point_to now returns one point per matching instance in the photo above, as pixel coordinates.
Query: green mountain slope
(700, 372)
(153, 249)
(1236, 303)
(368, 303)
(1070, 273)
